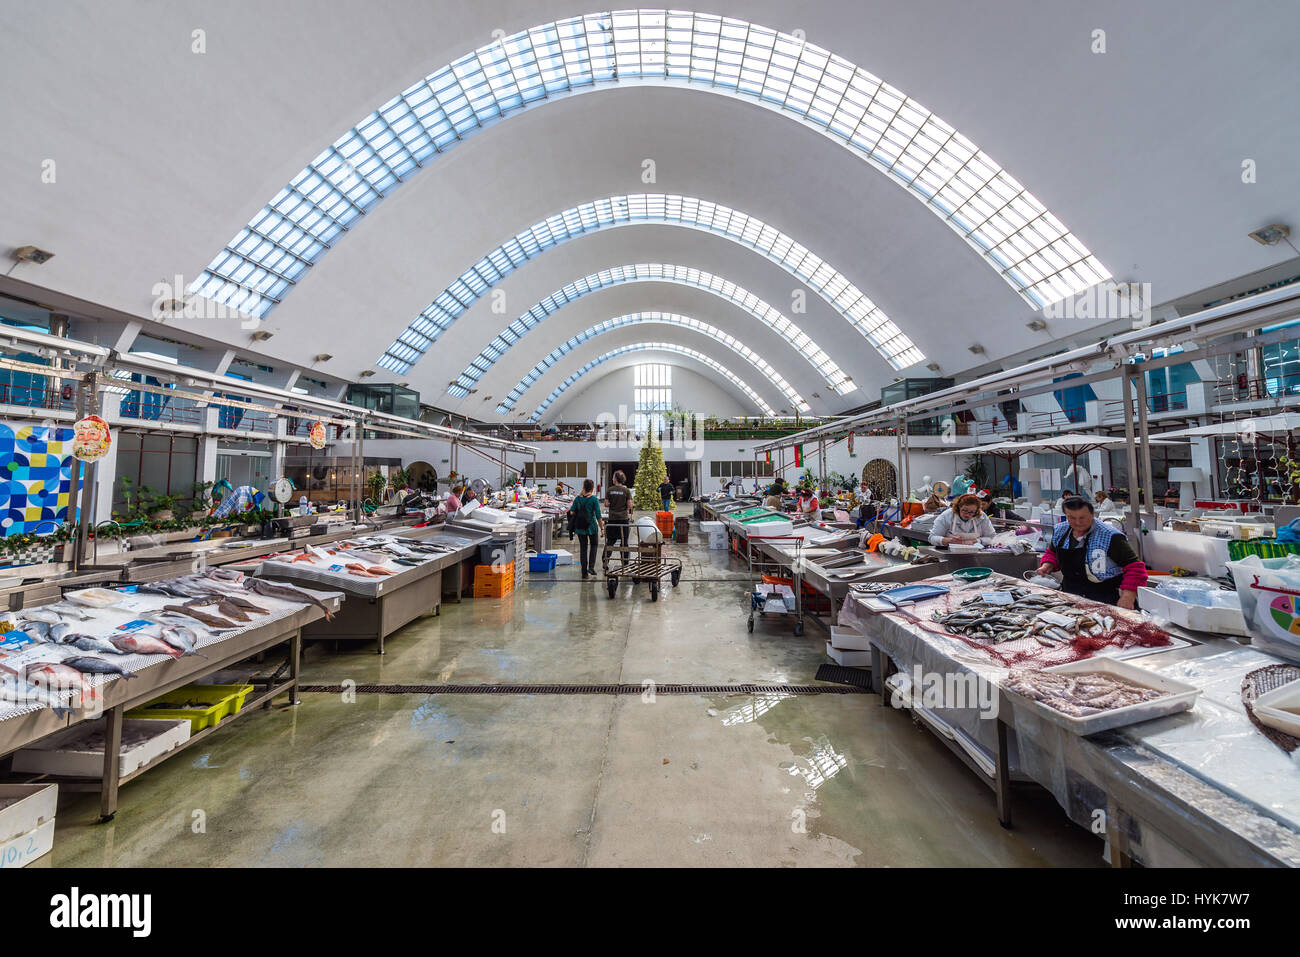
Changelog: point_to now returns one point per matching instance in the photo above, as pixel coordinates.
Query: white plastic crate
(844, 638)
(1220, 621)
(79, 751)
(849, 659)
(26, 822)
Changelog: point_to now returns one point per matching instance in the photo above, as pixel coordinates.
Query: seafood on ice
(1049, 619)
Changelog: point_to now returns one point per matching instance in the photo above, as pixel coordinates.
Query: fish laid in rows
(286, 593)
(144, 645)
(47, 615)
(16, 690)
(223, 574)
(97, 666)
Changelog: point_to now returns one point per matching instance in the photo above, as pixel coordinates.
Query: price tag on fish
(996, 597)
(138, 624)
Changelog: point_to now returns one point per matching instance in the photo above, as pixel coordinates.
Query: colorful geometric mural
(36, 478)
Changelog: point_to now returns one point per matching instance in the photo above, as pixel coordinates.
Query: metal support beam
(1131, 525)
(1146, 478)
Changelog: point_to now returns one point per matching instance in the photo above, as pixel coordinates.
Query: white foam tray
(23, 809)
(1222, 621)
(1178, 696)
(849, 659)
(844, 638)
(1280, 708)
(68, 753)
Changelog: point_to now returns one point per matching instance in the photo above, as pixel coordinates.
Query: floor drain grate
(858, 677)
(617, 689)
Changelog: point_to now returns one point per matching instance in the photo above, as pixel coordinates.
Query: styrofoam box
(70, 752)
(848, 639)
(849, 659)
(1222, 621)
(26, 822)
(1178, 696)
(562, 556)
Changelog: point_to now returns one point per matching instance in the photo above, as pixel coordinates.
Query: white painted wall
(692, 392)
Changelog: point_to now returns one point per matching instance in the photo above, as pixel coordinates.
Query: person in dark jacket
(666, 494)
(1096, 561)
(619, 501)
(586, 524)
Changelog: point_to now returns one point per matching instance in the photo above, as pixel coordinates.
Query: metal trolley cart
(764, 598)
(640, 563)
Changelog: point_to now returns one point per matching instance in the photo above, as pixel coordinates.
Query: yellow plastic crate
(203, 705)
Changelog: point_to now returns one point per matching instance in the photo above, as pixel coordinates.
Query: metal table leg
(112, 747)
(295, 663)
(1119, 856)
(1002, 780)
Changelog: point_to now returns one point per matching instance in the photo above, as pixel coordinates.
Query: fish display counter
(99, 652)
(389, 581)
(462, 548)
(1136, 724)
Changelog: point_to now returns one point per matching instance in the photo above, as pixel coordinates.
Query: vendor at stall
(1096, 560)
(809, 506)
(963, 524)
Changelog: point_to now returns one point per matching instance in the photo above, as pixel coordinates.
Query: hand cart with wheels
(640, 563)
(766, 599)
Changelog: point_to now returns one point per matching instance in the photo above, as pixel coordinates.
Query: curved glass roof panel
(654, 272)
(1005, 223)
(661, 318)
(656, 208)
(700, 357)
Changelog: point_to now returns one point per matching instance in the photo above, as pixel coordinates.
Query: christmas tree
(650, 474)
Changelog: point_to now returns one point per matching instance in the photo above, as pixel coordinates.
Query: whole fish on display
(58, 678)
(182, 638)
(223, 574)
(38, 631)
(144, 645)
(97, 666)
(212, 621)
(286, 593)
(16, 690)
(90, 643)
(47, 615)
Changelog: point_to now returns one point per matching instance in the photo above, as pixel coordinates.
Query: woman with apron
(1096, 561)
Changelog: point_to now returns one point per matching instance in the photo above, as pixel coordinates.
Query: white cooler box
(562, 556)
(79, 751)
(26, 822)
(848, 639)
(849, 659)
(717, 533)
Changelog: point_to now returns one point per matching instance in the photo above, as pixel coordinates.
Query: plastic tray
(897, 596)
(543, 562)
(1178, 696)
(72, 753)
(1220, 621)
(1280, 708)
(221, 700)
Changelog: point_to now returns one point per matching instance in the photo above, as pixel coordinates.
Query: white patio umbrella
(1258, 425)
(1075, 444)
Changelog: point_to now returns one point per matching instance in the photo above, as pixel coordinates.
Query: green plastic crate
(203, 705)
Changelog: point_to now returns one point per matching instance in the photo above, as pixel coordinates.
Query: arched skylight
(1028, 246)
(662, 318)
(796, 259)
(717, 367)
(653, 272)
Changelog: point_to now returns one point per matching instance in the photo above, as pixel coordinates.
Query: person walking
(618, 499)
(586, 524)
(666, 494)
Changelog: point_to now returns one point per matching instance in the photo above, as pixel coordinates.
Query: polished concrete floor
(574, 779)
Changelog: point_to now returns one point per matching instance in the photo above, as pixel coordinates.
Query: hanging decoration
(769, 456)
(798, 456)
(91, 439)
(317, 435)
(850, 442)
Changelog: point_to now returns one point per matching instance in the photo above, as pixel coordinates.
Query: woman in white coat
(962, 524)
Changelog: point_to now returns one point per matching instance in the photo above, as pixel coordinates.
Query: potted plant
(376, 483)
(200, 500)
(161, 508)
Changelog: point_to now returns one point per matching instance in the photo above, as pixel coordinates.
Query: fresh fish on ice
(97, 666)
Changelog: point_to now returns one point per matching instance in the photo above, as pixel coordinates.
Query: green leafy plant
(978, 473)
(376, 483)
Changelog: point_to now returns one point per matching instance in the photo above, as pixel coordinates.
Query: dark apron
(1075, 580)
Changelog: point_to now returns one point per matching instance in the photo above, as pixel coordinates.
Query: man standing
(618, 500)
(666, 494)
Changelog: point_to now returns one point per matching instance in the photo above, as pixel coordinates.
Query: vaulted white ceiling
(162, 154)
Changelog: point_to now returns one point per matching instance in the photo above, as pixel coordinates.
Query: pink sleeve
(1135, 576)
(1049, 556)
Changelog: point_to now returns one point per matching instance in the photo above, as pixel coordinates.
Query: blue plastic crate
(543, 562)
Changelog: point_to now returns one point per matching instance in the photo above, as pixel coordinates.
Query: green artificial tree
(650, 474)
